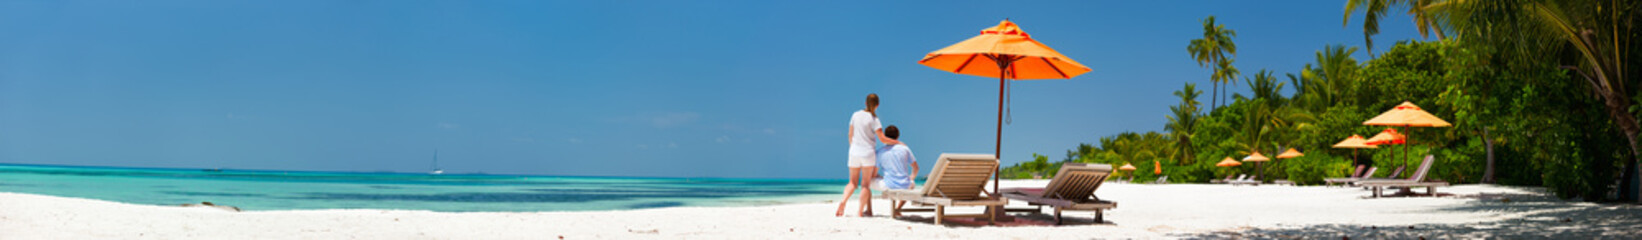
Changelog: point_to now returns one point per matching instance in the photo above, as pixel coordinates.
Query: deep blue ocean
(254, 190)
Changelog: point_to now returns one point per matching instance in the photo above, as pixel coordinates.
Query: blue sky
(603, 88)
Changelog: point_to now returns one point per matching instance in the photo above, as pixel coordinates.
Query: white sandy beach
(1144, 211)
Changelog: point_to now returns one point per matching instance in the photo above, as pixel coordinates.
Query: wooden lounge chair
(1283, 182)
(1162, 180)
(1073, 188)
(1361, 175)
(1416, 180)
(1229, 177)
(957, 180)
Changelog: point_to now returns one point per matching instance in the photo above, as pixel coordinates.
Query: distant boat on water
(436, 169)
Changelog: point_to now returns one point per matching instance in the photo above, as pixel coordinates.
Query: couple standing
(865, 158)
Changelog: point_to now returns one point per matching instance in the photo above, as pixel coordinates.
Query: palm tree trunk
(1488, 144)
(1628, 187)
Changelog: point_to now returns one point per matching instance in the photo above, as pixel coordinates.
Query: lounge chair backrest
(1369, 173)
(1230, 177)
(1359, 172)
(1241, 177)
(1425, 167)
(1396, 171)
(1077, 181)
(960, 176)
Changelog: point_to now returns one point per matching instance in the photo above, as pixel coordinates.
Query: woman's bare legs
(866, 191)
(849, 190)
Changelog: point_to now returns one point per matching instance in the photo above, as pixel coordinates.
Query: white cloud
(672, 145)
(770, 131)
(722, 139)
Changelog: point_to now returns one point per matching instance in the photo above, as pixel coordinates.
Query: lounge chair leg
(1100, 216)
(992, 217)
(1057, 216)
(940, 212)
(894, 209)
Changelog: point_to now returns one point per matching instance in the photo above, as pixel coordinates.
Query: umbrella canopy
(1387, 137)
(1004, 45)
(1157, 167)
(1256, 157)
(1291, 153)
(1407, 115)
(1005, 52)
(1355, 141)
(1127, 167)
(1228, 162)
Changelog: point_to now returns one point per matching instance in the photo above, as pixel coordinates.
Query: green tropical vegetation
(1540, 93)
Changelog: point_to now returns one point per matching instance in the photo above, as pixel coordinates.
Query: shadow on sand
(1538, 216)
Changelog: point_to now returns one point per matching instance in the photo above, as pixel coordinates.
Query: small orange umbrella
(1256, 158)
(1228, 162)
(1406, 115)
(1157, 167)
(1005, 52)
(1127, 167)
(1291, 153)
(1389, 136)
(1354, 142)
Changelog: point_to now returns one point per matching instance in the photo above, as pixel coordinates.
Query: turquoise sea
(281, 190)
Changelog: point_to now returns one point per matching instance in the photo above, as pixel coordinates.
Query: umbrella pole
(997, 143)
(1406, 142)
(998, 213)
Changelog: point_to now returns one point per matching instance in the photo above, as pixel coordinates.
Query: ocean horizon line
(467, 174)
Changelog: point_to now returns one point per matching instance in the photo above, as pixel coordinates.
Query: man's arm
(852, 135)
(886, 140)
(913, 178)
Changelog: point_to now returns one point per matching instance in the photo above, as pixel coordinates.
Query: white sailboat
(436, 169)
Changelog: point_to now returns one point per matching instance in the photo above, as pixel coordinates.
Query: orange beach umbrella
(1228, 162)
(1389, 136)
(1127, 167)
(1256, 158)
(1157, 167)
(1354, 142)
(1406, 115)
(1005, 52)
(1291, 153)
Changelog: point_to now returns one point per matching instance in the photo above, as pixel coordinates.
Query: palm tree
(1211, 50)
(1425, 19)
(1601, 33)
(1181, 124)
(1317, 88)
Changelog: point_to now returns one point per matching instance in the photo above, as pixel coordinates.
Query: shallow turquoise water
(277, 190)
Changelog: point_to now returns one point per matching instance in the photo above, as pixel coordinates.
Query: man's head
(892, 132)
